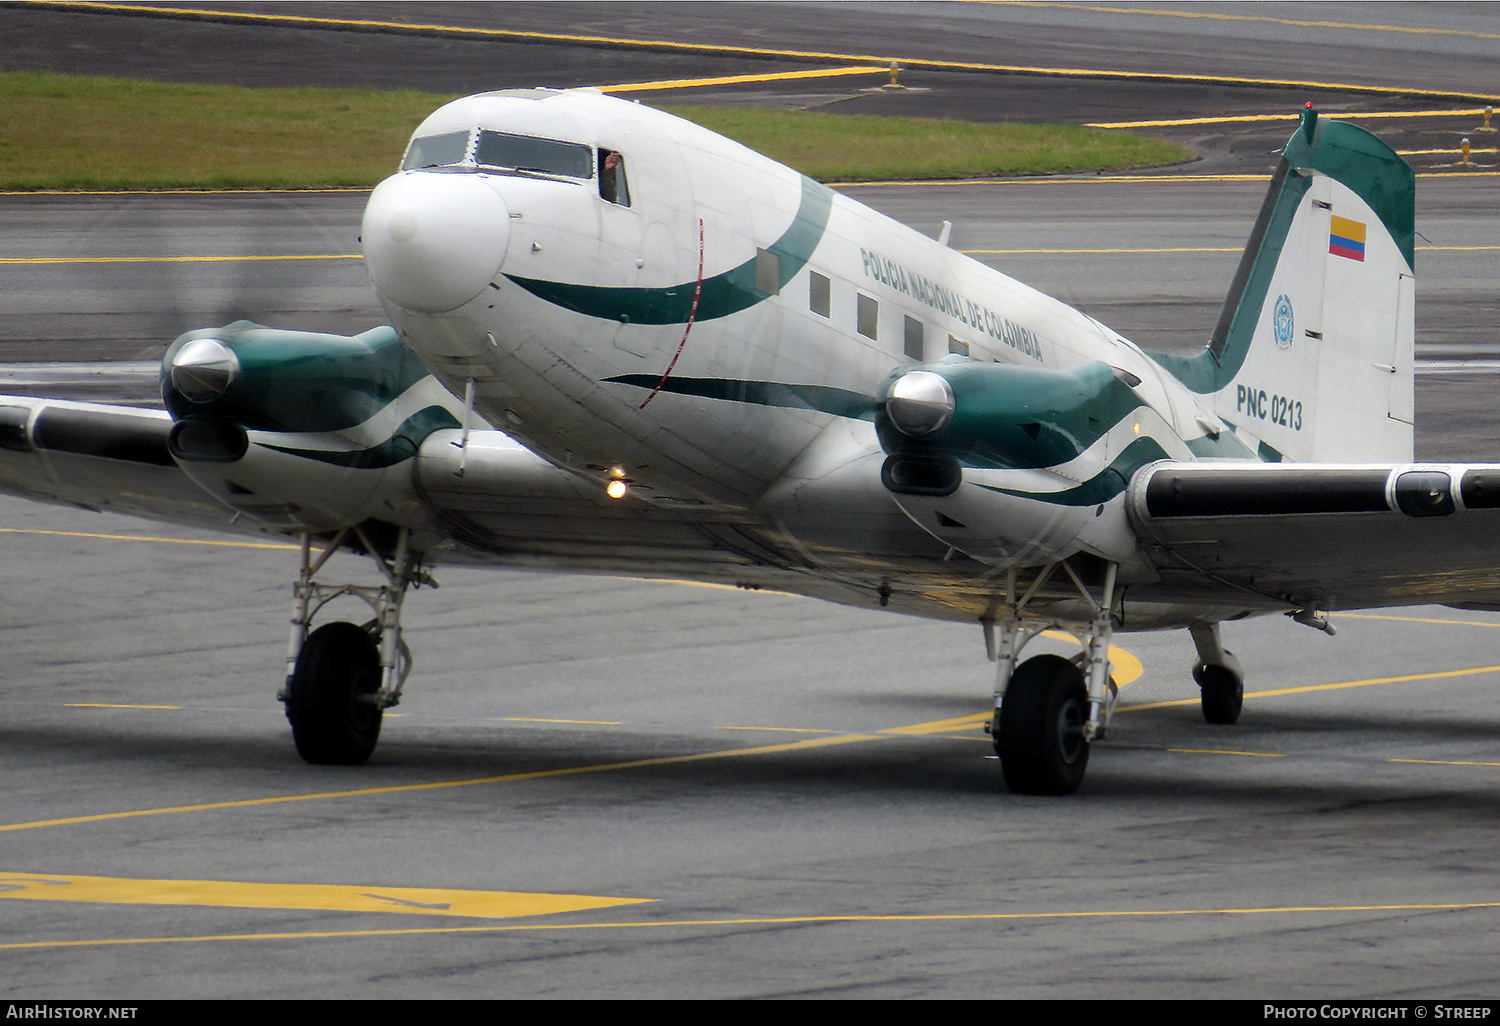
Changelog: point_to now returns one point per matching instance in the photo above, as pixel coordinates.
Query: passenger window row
(867, 319)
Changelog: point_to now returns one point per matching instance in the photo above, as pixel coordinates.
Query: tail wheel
(1223, 693)
(1040, 741)
(332, 696)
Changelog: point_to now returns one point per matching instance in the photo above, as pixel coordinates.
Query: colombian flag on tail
(1346, 238)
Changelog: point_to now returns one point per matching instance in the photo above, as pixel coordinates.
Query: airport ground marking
(150, 538)
(114, 705)
(1292, 116)
(177, 259)
(885, 60)
(1178, 249)
(777, 76)
(1218, 16)
(1079, 251)
(1307, 688)
(433, 901)
(1417, 619)
(540, 719)
(1223, 751)
(506, 778)
(662, 924)
(1443, 762)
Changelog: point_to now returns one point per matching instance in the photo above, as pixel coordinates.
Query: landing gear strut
(343, 676)
(1220, 679)
(1049, 710)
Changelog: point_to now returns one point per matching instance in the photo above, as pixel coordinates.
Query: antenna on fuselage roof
(944, 232)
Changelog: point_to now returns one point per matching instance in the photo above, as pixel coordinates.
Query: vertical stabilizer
(1312, 356)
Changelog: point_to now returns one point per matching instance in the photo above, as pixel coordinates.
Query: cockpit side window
(436, 150)
(529, 153)
(612, 183)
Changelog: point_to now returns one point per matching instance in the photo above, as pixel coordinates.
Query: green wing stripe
(824, 398)
(1103, 486)
(402, 445)
(723, 294)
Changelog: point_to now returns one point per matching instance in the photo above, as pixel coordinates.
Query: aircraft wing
(1321, 537)
(100, 457)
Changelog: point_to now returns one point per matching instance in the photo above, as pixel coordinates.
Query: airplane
(622, 344)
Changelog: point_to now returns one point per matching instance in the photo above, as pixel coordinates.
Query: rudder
(1312, 357)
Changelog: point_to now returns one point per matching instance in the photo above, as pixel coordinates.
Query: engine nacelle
(300, 430)
(1015, 465)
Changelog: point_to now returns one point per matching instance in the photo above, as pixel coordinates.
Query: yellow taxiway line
(1081, 251)
(1309, 688)
(177, 259)
(722, 49)
(1230, 119)
(776, 76)
(743, 921)
(1150, 12)
(506, 778)
(149, 538)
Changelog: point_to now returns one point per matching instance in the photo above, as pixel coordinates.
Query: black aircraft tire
(1223, 694)
(1040, 741)
(331, 698)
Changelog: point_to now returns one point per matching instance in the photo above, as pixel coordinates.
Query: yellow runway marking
(149, 538)
(538, 719)
(1219, 751)
(175, 260)
(1321, 687)
(1179, 249)
(818, 55)
(669, 760)
(943, 726)
(112, 705)
(1416, 619)
(1443, 762)
(1217, 16)
(1096, 252)
(778, 76)
(428, 901)
(1247, 118)
(916, 917)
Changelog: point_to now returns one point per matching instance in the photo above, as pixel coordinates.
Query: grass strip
(72, 132)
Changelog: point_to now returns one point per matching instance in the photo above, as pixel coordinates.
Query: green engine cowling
(301, 430)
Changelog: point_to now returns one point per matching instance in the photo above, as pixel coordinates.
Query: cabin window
(867, 317)
(767, 272)
(436, 150)
(819, 294)
(957, 346)
(612, 183)
(528, 153)
(914, 339)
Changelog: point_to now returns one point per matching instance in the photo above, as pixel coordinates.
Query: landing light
(616, 489)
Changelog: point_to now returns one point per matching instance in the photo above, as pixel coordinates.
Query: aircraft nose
(433, 241)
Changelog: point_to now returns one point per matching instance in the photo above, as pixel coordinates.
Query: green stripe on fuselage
(1103, 486)
(722, 294)
(401, 445)
(841, 402)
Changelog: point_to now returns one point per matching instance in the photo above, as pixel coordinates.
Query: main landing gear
(1049, 710)
(1221, 682)
(343, 676)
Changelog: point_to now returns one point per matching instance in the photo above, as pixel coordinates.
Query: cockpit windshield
(437, 150)
(528, 153)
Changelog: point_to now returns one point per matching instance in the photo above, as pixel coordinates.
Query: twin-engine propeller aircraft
(621, 344)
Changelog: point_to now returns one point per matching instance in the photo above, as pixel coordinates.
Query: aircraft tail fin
(1312, 357)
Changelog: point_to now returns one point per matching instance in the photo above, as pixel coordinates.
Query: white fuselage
(698, 341)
